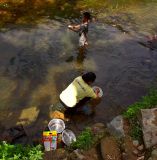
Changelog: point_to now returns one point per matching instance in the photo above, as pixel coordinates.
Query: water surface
(38, 62)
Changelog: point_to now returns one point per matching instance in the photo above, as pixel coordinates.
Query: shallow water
(37, 63)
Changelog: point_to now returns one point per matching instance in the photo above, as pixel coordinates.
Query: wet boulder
(15, 135)
(116, 126)
(149, 126)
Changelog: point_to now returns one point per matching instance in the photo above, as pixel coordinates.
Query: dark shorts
(61, 107)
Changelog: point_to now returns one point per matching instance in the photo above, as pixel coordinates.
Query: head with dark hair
(87, 15)
(89, 77)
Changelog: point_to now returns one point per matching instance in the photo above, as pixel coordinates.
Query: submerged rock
(16, 135)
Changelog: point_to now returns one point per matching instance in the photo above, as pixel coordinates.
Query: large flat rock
(110, 149)
(149, 126)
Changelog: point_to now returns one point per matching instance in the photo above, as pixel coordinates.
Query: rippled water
(37, 63)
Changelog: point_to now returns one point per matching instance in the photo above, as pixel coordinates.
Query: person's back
(76, 91)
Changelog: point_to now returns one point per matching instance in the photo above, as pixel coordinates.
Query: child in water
(82, 29)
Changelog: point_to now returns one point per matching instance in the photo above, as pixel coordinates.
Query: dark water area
(38, 62)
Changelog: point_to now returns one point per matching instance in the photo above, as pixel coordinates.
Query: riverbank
(23, 12)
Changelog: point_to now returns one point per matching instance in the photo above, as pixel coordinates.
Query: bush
(19, 152)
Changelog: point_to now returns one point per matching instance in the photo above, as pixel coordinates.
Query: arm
(74, 27)
(95, 101)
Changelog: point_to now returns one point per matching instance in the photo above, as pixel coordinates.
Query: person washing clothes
(82, 29)
(78, 90)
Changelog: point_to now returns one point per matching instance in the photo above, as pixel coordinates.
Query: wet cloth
(76, 91)
(82, 40)
(82, 33)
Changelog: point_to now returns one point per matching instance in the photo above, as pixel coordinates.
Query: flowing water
(38, 62)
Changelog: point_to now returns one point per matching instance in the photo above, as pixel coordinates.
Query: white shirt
(76, 91)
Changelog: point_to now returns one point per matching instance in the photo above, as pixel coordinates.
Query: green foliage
(136, 131)
(148, 101)
(84, 140)
(19, 152)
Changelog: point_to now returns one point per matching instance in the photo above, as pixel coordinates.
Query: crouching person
(78, 90)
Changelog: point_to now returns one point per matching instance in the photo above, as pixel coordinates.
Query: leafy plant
(84, 140)
(19, 152)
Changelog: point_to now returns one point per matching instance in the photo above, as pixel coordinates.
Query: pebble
(80, 156)
(140, 158)
(135, 143)
(135, 152)
(140, 148)
(124, 156)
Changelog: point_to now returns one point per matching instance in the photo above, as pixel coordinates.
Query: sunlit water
(37, 63)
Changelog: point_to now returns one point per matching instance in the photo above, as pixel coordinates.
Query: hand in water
(97, 91)
(87, 110)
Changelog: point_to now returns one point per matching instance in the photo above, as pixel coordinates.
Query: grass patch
(136, 131)
(84, 140)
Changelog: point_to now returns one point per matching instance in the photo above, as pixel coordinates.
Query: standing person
(79, 89)
(82, 29)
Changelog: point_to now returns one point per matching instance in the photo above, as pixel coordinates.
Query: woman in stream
(82, 29)
(77, 91)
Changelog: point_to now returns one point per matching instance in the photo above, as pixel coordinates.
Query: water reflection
(81, 55)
